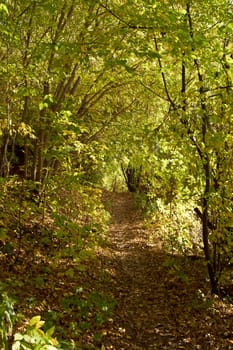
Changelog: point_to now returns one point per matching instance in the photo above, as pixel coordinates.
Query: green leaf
(35, 321)
(29, 339)
(18, 336)
(153, 54)
(3, 234)
(49, 98)
(43, 105)
(50, 331)
(70, 273)
(16, 345)
(3, 8)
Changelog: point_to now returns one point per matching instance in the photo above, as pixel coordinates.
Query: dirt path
(158, 306)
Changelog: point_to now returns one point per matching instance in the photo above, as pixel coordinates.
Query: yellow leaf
(36, 321)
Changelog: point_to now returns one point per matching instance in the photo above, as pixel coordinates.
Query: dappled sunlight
(162, 299)
(116, 175)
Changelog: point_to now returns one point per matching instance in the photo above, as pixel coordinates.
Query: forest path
(157, 302)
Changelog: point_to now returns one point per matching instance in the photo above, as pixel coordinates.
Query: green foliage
(22, 212)
(4, 9)
(55, 232)
(7, 318)
(34, 338)
(176, 270)
(79, 218)
(88, 87)
(177, 227)
(92, 309)
(65, 216)
(202, 301)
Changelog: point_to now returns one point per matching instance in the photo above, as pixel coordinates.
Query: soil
(163, 300)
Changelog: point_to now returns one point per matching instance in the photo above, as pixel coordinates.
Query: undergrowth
(48, 239)
(176, 226)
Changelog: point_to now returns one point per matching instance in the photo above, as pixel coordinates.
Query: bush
(177, 226)
(35, 338)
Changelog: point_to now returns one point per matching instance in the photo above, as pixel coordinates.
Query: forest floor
(131, 295)
(162, 300)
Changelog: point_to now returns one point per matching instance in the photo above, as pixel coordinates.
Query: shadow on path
(160, 303)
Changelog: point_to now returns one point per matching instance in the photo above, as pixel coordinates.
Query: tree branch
(173, 105)
(129, 25)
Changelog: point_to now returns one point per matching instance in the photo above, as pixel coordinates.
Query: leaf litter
(162, 300)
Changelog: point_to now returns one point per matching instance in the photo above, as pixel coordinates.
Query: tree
(59, 79)
(193, 54)
(79, 75)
